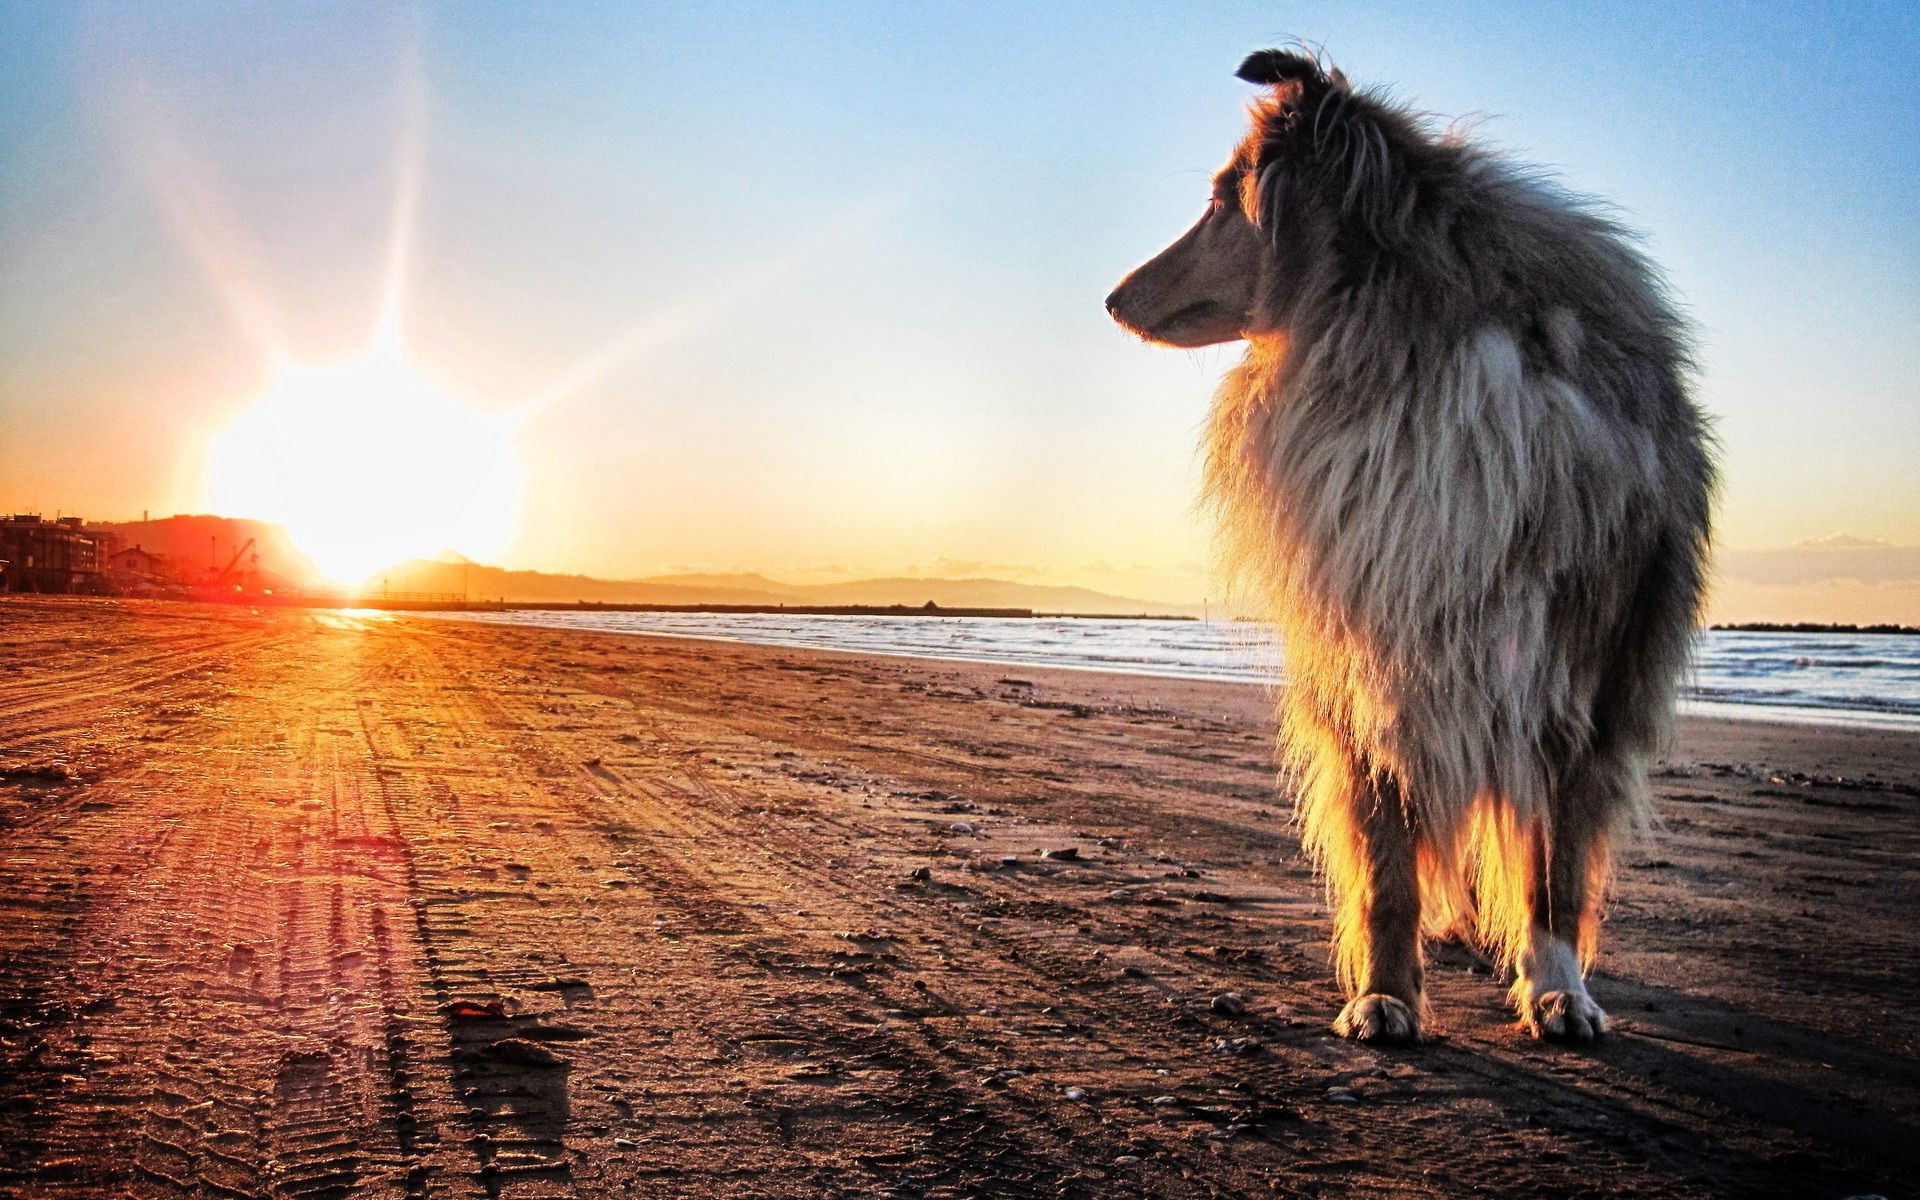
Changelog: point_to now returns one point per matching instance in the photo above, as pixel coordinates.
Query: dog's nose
(1113, 303)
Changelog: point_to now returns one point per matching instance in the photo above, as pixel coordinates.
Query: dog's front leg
(1550, 987)
(1377, 923)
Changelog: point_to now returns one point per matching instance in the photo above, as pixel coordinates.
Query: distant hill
(538, 587)
(197, 541)
(739, 581)
(483, 582)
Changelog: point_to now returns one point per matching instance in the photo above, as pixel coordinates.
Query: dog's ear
(1323, 142)
(1275, 68)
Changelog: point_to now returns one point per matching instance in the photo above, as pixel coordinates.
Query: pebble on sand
(1229, 1004)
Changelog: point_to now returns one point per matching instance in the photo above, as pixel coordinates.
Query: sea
(1861, 679)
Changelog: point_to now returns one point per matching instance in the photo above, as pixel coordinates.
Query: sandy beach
(317, 904)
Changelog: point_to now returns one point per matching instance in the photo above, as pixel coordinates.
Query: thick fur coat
(1460, 468)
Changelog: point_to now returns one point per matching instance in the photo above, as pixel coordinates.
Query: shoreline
(1755, 710)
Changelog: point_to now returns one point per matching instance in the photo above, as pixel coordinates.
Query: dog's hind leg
(1566, 870)
(1377, 918)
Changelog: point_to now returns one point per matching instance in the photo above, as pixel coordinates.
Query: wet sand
(312, 904)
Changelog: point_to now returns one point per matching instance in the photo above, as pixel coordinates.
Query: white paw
(1378, 1017)
(1569, 1016)
(1552, 996)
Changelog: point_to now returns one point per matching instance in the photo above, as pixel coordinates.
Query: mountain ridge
(202, 541)
(486, 582)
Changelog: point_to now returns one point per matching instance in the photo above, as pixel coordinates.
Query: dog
(1460, 468)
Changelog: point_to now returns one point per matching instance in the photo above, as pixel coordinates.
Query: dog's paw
(1378, 1017)
(1569, 1016)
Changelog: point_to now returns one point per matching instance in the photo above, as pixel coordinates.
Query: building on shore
(137, 571)
(59, 555)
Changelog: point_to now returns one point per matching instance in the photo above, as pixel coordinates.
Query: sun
(368, 463)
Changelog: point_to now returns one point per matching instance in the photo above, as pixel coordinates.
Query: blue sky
(887, 230)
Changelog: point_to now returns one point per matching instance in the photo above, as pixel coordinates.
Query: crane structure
(231, 578)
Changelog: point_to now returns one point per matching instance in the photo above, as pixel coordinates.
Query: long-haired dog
(1460, 467)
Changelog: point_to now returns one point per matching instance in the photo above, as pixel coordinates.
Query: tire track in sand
(241, 989)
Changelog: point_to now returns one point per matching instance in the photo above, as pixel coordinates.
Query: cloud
(956, 568)
(1103, 566)
(1839, 557)
(1841, 541)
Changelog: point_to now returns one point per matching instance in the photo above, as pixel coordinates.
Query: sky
(816, 290)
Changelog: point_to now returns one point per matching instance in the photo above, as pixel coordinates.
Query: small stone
(922, 874)
(1229, 1004)
(1162, 1101)
(625, 1143)
(1134, 972)
(1127, 1160)
(1075, 1094)
(960, 827)
(1063, 854)
(1341, 1096)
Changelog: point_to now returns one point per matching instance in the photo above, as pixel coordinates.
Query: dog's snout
(1113, 302)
